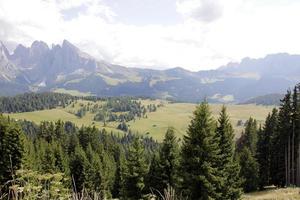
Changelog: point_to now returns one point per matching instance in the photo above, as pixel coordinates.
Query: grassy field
(278, 194)
(72, 92)
(177, 115)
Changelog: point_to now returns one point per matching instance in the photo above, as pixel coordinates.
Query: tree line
(271, 153)
(34, 101)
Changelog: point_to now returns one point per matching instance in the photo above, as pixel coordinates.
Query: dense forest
(34, 101)
(52, 160)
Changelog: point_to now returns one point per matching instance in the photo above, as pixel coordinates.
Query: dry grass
(276, 194)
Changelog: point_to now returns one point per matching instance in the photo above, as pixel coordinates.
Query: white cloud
(212, 33)
(203, 10)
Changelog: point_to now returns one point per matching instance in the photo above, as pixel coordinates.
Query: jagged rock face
(40, 63)
(7, 70)
(68, 58)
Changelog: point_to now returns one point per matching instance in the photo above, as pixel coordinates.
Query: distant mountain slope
(268, 99)
(40, 68)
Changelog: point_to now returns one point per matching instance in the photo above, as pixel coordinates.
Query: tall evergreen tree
(154, 180)
(164, 167)
(201, 178)
(119, 175)
(169, 159)
(11, 148)
(265, 147)
(285, 129)
(48, 159)
(231, 189)
(251, 137)
(246, 153)
(136, 171)
(249, 170)
(78, 166)
(277, 155)
(296, 134)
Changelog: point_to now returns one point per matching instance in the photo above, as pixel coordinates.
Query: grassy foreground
(276, 194)
(177, 115)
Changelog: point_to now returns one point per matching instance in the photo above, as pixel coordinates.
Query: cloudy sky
(193, 34)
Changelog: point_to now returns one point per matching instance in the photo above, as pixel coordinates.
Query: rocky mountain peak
(3, 50)
(68, 45)
(39, 46)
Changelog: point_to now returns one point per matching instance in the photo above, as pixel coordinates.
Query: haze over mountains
(41, 68)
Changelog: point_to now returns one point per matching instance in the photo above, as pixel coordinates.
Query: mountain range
(41, 68)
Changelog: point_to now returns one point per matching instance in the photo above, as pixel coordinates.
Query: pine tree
(264, 148)
(296, 134)
(247, 149)
(93, 173)
(29, 155)
(231, 189)
(78, 166)
(119, 175)
(154, 183)
(48, 159)
(11, 148)
(200, 176)
(59, 129)
(249, 170)
(136, 171)
(169, 160)
(251, 137)
(285, 129)
(60, 159)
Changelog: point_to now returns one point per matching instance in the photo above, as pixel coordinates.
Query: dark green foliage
(231, 188)
(89, 158)
(265, 148)
(136, 171)
(11, 149)
(81, 112)
(249, 170)
(169, 160)
(251, 137)
(78, 169)
(121, 109)
(164, 167)
(100, 116)
(47, 158)
(151, 108)
(278, 148)
(285, 128)
(200, 154)
(123, 126)
(34, 101)
(117, 190)
(246, 149)
(154, 180)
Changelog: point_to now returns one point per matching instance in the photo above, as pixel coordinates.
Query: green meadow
(177, 115)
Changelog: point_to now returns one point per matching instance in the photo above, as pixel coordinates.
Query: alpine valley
(65, 67)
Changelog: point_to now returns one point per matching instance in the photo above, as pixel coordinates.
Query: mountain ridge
(43, 68)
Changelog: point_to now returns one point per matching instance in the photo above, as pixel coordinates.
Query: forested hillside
(34, 101)
(52, 160)
(269, 99)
